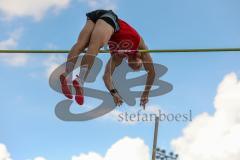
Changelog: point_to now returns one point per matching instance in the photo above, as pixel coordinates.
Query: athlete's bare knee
(94, 47)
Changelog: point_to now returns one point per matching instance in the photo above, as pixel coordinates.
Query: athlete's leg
(101, 34)
(81, 44)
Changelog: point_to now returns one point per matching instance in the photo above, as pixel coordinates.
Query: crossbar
(142, 51)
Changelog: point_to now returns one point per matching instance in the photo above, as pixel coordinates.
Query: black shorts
(107, 15)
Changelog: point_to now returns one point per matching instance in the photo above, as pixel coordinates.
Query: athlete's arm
(149, 67)
(110, 67)
(107, 78)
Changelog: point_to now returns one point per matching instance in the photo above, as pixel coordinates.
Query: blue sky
(28, 125)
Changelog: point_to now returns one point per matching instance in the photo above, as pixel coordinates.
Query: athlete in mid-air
(104, 27)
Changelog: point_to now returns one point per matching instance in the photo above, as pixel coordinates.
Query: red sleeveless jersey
(126, 38)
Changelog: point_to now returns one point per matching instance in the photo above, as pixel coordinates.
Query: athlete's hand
(117, 100)
(144, 100)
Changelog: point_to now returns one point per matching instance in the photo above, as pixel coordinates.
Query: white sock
(68, 74)
(69, 78)
(80, 77)
(69, 67)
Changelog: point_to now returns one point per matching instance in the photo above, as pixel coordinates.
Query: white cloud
(17, 60)
(51, 46)
(14, 60)
(35, 9)
(126, 148)
(215, 137)
(101, 4)
(8, 43)
(12, 41)
(39, 158)
(52, 62)
(4, 155)
(89, 156)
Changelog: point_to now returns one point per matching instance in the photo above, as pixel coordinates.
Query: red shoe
(64, 86)
(79, 92)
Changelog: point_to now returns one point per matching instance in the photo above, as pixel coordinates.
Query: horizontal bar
(143, 51)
